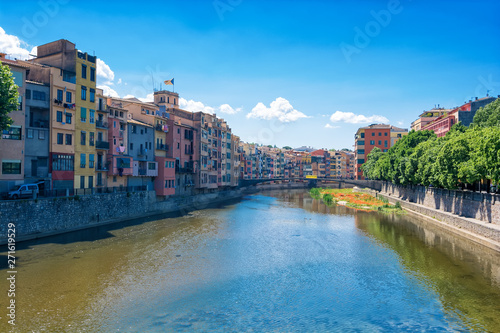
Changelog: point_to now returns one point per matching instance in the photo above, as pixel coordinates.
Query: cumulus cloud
(351, 118)
(280, 109)
(149, 98)
(104, 73)
(330, 126)
(107, 91)
(195, 106)
(13, 46)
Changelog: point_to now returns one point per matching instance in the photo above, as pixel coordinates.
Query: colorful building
(376, 135)
(12, 139)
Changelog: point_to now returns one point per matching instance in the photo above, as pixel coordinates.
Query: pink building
(165, 181)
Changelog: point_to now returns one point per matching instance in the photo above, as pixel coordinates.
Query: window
(62, 162)
(92, 95)
(12, 133)
(178, 131)
(361, 151)
(131, 146)
(59, 95)
(28, 94)
(91, 116)
(83, 138)
(151, 166)
(123, 162)
(178, 146)
(361, 142)
(69, 139)
(361, 161)
(114, 179)
(83, 114)
(385, 150)
(11, 167)
(38, 95)
(385, 134)
(68, 97)
(83, 161)
(84, 71)
(379, 133)
(60, 138)
(84, 93)
(362, 135)
(134, 129)
(68, 118)
(30, 134)
(82, 181)
(373, 133)
(59, 117)
(92, 74)
(385, 143)
(372, 142)
(91, 160)
(41, 135)
(380, 142)
(91, 138)
(69, 77)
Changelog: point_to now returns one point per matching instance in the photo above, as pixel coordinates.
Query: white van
(23, 191)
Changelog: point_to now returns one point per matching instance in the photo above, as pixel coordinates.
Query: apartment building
(375, 135)
(12, 139)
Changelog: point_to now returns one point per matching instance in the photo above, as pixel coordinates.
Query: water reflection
(279, 261)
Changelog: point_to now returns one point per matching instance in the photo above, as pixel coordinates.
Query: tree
(488, 115)
(450, 158)
(9, 96)
(370, 165)
(287, 148)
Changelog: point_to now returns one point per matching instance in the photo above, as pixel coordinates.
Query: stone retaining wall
(42, 217)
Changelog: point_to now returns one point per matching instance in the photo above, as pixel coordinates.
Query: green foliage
(8, 96)
(398, 205)
(488, 116)
(464, 155)
(288, 148)
(315, 193)
(327, 198)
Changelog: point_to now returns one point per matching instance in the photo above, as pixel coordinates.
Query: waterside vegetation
(356, 200)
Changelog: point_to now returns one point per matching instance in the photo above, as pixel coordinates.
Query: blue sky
(280, 72)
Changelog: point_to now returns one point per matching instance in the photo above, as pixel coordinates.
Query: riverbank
(481, 232)
(44, 217)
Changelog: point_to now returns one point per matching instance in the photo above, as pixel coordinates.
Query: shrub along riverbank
(356, 200)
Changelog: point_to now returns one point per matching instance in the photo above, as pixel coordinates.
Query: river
(272, 262)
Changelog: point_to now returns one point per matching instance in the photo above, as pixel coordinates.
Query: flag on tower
(169, 82)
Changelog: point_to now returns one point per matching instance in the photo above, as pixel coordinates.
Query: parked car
(23, 191)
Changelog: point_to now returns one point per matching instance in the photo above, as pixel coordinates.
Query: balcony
(101, 124)
(102, 145)
(141, 152)
(101, 167)
(142, 170)
(162, 147)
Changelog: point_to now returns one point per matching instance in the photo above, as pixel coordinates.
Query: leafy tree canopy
(488, 116)
(8, 96)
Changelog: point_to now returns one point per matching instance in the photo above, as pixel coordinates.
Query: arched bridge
(312, 182)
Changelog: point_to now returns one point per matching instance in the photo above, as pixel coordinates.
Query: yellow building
(85, 122)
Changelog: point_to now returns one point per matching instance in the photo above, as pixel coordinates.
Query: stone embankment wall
(43, 217)
(480, 206)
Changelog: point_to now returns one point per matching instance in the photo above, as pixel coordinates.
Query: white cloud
(280, 109)
(107, 91)
(351, 118)
(119, 81)
(400, 123)
(149, 98)
(330, 126)
(104, 73)
(195, 106)
(13, 46)
(226, 108)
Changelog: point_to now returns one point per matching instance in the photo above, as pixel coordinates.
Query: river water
(272, 262)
